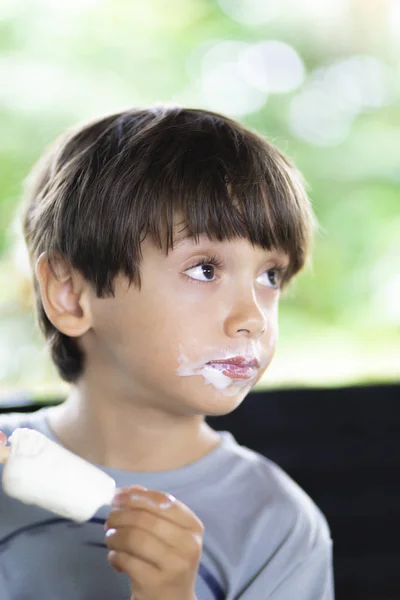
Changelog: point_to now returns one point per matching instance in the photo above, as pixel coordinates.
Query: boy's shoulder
(263, 520)
(273, 494)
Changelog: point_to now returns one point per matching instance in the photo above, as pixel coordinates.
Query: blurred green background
(319, 79)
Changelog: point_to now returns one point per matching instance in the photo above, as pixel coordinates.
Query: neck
(129, 435)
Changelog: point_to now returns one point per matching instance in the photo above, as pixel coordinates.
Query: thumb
(125, 490)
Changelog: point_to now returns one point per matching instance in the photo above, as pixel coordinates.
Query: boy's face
(158, 344)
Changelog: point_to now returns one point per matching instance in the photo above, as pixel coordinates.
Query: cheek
(150, 337)
(272, 334)
(270, 338)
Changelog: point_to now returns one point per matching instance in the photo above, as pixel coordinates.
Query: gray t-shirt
(264, 537)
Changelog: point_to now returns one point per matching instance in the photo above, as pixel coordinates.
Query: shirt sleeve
(310, 579)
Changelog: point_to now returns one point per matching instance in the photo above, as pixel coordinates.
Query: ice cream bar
(39, 471)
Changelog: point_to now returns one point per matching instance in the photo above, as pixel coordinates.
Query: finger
(182, 540)
(162, 504)
(125, 490)
(135, 515)
(138, 543)
(4, 450)
(136, 568)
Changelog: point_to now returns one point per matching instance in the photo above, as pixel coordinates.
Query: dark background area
(343, 447)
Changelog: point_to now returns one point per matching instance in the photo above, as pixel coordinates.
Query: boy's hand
(157, 541)
(3, 449)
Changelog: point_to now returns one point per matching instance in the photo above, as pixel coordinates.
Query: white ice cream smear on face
(39, 471)
(212, 375)
(215, 377)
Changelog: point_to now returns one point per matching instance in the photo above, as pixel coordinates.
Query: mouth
(237, 367)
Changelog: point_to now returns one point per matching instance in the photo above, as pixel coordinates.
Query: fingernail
(169, 503)
(110, 532)
(125, 490)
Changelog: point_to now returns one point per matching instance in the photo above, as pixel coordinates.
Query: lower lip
(234, 371)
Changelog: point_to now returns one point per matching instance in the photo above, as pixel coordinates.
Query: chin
(213, 403)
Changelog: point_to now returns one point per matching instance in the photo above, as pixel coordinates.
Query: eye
(204, 270)
(271, 278)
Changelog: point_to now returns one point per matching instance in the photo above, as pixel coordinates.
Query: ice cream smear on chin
(219, 371)
(39, 471)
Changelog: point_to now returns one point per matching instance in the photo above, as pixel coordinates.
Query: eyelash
(213, 261)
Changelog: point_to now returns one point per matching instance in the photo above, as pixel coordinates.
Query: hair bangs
(225, 189)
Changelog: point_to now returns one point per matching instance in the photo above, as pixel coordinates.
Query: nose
(246, 319)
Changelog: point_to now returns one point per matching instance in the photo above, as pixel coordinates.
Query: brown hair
(104, 185)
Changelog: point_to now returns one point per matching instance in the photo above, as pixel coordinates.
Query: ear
(65, 296)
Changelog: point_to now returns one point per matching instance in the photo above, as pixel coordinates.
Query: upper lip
(239, 361)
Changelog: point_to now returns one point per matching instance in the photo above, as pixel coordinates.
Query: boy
(159, 242)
